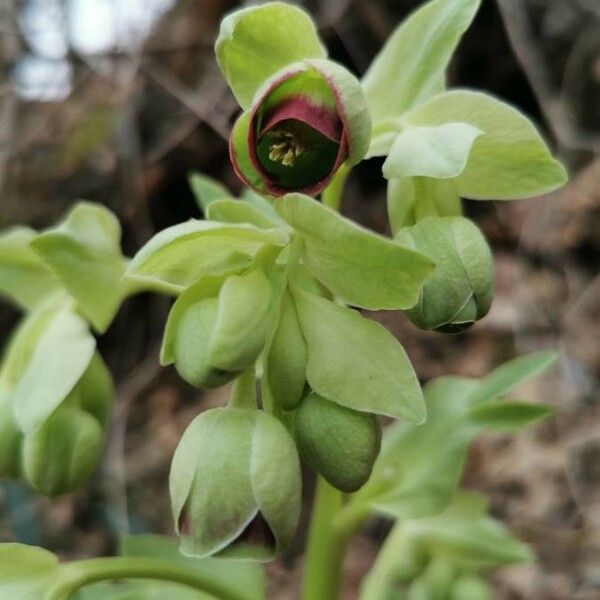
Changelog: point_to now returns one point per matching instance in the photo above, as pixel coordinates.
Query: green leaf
(239, 211)
(411, 199)
(262, 204)
(440, 151)
(410, 67)
(356, 362)
(465, 535)
(360, 267)
(509, 161)
(27, 572)
(246, 578)
(139, 590)
(24, 278)
(206, 190)
(258, 41)
(180, 255)
(84, 252)
(56, 348)
(506, 377)
(508, 416)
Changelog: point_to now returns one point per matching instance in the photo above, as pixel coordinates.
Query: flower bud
(216, 337)
(338, 442)
(288, 355)
(61, 455)
(95, 390)
(304, 123)
(10, 440)
(235, 485)
(460, 290)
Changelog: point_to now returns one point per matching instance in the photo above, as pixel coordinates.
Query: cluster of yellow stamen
(286, 148)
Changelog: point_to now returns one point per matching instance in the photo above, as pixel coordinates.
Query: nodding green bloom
(460, 291)
(338, 442)
(217, 330)
(235, 485)
(304, 123)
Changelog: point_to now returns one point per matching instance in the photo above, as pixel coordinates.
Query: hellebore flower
(235, 485)
(460, 291)
(216, 329)
(338, 442)
(304, 123)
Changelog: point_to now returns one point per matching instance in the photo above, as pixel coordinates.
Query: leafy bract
(440, 151)
(360, 267)
(24, 278)
(509, 161)
(27, 572)
(206, 190)
(239, 211)
(356, 362)
(84, 252)
(508, 416)
(49, 354)
(410, 67)
(180, 255)
(258, 41)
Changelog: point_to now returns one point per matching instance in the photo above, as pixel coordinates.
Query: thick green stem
(332, 195)
(331, 526)
(84, 572)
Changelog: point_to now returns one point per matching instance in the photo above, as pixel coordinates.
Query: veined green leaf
(508, 416)
(84, 252)
(440, 151)
(356, 362)
(360, 267)
(180, 255)
(256, 42)
(509, 161)
(410, 67)
(24, 278)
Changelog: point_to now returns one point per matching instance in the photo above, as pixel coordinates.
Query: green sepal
(339, 443)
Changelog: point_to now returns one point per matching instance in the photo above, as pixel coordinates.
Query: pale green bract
(440, 151)
(410, 67)
(360, 267)
(356, 362)
(24, 278)
(256, 42)
(85, 254)
(509, 161)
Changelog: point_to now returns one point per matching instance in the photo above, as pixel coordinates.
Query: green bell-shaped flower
(460, 290)
(338, 442)
(235, 485)
(61, 455)
(216, 330)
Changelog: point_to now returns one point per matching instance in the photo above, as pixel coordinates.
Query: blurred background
(116, 101)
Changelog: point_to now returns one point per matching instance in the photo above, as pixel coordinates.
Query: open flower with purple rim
(304, 115)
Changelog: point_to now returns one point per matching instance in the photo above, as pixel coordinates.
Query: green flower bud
(95, 390)
(338, 442)
(216, 337)
(305, 122)
(235, 485)
(10, 440)
(288, 355)
(61, 455)
(460, 290)
(470, 587)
